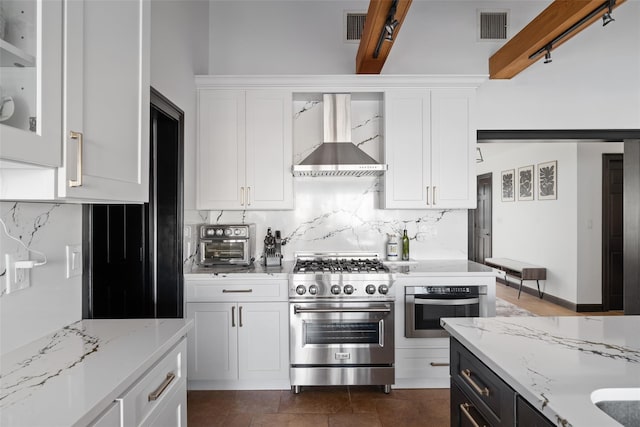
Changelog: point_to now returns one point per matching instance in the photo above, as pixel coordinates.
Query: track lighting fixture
(606, 18)
(389, 27)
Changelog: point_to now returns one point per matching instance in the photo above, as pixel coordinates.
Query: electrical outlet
(74, 260)
(16, 278)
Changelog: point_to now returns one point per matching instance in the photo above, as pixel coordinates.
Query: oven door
(423, 313)
(342, 333)
(224, 252)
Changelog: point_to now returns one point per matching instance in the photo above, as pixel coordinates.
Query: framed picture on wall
(525, 183)
(548, 180)
(508, 185)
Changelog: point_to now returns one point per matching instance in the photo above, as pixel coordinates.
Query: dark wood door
(482, 220)
(612, 232)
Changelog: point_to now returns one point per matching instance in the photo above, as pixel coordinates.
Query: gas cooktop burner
(342, 276)
(343, 265)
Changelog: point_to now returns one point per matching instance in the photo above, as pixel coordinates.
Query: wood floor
(541, 307)
(342, 406)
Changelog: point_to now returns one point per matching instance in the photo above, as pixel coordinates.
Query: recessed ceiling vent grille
(493, 25)
(354, 25)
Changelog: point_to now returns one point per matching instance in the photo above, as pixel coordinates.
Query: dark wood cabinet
(528, 416)
(489, 395)
(479, 397)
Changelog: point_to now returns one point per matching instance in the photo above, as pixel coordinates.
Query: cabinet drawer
(422, 363)
(246, 291)
(153, 387)
(490, 394)
(464, 412)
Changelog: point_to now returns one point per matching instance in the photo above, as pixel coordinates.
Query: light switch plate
(74, 260)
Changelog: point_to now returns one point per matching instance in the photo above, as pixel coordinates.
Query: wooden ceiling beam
(373, 28)
(556, 19)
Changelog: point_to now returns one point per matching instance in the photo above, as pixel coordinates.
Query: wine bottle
(405, 246)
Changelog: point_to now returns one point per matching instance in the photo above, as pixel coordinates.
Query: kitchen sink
(621, 404)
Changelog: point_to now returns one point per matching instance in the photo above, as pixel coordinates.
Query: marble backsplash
(52, 300)
(341, 214)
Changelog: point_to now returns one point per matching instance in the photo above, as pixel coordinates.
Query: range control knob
(348, 289)
(301, 290)
(313, 289)
(370, 289)
(335, 290)
(383, 289)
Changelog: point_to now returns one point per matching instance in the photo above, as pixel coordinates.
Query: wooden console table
(519, 270)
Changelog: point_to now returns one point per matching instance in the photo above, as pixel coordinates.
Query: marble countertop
(414, 268)
(254, 271)
(69, 377)
(444, 267)
(555, 363)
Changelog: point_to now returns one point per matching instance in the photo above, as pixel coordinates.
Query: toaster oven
(226, 244)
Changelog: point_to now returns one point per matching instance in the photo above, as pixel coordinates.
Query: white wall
(589, 220)
(563, 235)
(179, 51)
(52, 301)
(593, 82)
(542, 232)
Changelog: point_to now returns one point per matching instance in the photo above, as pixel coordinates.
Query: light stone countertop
(69, 377)
(416, 268)
(555, 363)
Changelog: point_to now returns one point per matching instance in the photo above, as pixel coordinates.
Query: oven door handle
(463, 301)
(297, 309)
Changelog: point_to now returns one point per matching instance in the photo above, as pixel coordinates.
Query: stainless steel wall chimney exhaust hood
(337, 155)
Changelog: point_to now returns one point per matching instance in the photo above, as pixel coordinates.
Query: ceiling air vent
(493, 25)
(354, 25)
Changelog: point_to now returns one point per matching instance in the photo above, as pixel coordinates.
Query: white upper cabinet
(407, 148)
(245, 149)
(106, 101)
(31, 82)
(430, 141)
(90, 106)
(453, 148)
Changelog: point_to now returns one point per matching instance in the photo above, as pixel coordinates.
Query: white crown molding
(337, 82)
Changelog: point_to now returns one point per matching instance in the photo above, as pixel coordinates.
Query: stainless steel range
(341, 308)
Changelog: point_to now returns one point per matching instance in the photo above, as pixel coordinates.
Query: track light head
(547, 57)
(606, 18)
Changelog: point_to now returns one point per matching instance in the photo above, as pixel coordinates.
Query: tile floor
(319, 406)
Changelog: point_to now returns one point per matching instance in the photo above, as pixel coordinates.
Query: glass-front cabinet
(31, 81)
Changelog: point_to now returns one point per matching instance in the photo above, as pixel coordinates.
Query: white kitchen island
(556, 363)
(95, 370)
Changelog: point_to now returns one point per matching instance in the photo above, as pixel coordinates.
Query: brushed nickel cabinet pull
(240, 316)
(154, 395)
(428, 196)
(467, 376)
(248, 196)
(434, 195)
(78, 181)
(439, 364)
(241, 196)
(233, 316)
(236, 291)
(464, 407)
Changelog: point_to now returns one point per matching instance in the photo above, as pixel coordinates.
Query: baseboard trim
(581, 308)
(578, 308)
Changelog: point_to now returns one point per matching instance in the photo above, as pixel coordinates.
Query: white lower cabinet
(238, 345)
(422, 367)
(157, 398)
